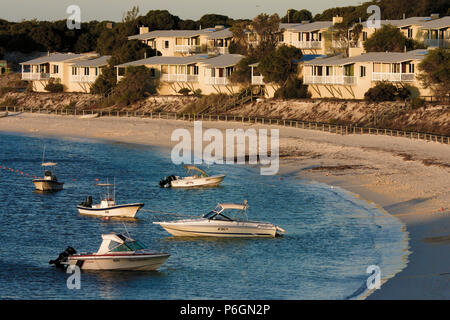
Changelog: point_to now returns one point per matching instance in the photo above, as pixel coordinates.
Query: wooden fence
(325, 127)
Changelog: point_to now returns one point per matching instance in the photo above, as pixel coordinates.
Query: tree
(137, 84)
(105, 82)
(389, 38)
(243, 72)
(280, 65)
(212, 20)
(435, 73)
(294, 16)
(159, 20)
(382, 91)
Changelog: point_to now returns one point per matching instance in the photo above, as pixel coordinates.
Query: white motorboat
(49, 182)
(108, 207)
(217, 223)
(117, 252)
(195, 178)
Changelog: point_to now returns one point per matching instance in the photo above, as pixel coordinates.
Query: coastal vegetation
(390, 38)
(435, 73)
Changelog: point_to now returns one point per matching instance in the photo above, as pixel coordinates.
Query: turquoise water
(332, 237)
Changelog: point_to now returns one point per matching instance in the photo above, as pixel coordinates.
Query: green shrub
(184, 91)
(54, 86)
(417, 103)
(383, 91)
(136, 85)
(197, 93)
(293, 89)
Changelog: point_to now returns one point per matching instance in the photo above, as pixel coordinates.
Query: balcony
(187, 48)
(257, 80)
(83, 78)
(394, 77)
(221, 50)
(441, 43)
(179, 78)
(35, 76)
(216, 80)
(343, 80)
(307, 44)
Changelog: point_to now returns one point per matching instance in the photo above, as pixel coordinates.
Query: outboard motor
(87, 203)
(165, 183)
(62, 257)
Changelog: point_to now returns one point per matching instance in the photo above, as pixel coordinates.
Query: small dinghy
(3, 114)
(195, 178)
(107, 206)
(89, 116)
(116, 252)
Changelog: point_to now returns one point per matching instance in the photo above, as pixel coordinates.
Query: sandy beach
(409, 179)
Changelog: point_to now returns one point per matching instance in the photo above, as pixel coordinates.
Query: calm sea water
(332, 237)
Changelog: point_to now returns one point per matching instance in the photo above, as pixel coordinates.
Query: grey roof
(443, 22)
(386, 57)
(307, 27)
(169, 33)
(96, 62)
(156, 60)
(223, 60)
(220, 34)
(55, 57)
(219, 61)
(424, 22)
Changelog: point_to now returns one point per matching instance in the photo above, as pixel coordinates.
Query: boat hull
(47, 185)
(211, 181)
(119, 262)
(125, 210)
(221, 229)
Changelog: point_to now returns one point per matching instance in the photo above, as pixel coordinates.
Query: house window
(121, 71)
(362, 71)
(281, 37)
(152, 73)
(86, 71)
(411, 68)
(196, 70)
(96, 71)
(364, 34)
(166, 44)
(55, 69)
(410, 33)
(328, 70)
(74, 71)
(320, 36)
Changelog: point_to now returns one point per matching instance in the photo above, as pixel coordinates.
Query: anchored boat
(49, 182)
(107, 206)
(220, 223)
(116, 252)
(195, 178)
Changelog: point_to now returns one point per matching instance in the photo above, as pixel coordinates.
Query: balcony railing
(35, 76)
(386, 76)
(187, 48)
(83, 78)
(221, 50)
(344, 80)
(307, 44)
(441, 43)
(179, 78)
(216, 80)
(257, 80)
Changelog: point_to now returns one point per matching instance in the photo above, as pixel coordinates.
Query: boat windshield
(214, 215)
(129, 246)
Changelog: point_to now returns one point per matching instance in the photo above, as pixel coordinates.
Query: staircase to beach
(234, 101)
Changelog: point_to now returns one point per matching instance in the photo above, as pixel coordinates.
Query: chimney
(143, 30)
(337, 19)
(434, 16)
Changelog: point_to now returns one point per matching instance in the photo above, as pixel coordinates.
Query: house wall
(357, 90)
